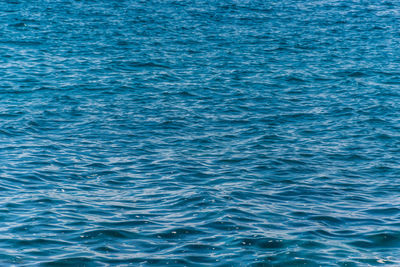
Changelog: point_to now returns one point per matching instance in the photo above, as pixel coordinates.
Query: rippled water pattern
(199, 133)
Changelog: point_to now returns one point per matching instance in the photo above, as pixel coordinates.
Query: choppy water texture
(199, 133)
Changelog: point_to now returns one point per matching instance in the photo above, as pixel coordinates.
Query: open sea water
(199, 133)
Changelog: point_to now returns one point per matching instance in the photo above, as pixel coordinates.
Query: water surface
(199, 133)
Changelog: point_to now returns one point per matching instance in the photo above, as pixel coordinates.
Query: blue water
(199, 133)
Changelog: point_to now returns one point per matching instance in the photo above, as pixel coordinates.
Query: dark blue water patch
(199, 133)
